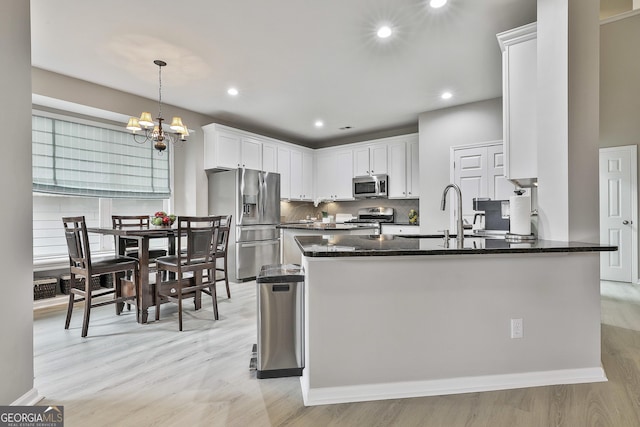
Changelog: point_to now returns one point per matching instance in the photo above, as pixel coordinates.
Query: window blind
(79, 159)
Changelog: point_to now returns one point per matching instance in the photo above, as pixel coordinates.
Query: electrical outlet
(516, 328)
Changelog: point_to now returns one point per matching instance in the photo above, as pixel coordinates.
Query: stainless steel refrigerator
(253, 197)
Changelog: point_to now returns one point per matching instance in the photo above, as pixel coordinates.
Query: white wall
(16, 285)
(439, 131)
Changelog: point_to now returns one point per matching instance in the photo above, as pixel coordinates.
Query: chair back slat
(75, 231)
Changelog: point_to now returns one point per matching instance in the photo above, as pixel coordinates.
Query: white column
(568, 98)
(16, 304)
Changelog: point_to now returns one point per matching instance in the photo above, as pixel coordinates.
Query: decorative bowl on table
(162, 219)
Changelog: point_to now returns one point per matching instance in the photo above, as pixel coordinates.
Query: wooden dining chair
(81, 264)
(221, 252)
(198, 237)
(131, 245)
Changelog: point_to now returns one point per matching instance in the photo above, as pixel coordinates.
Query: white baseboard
(30, 398)
(369, 392)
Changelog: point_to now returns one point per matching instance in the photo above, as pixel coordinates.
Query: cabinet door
(361, 161)
(413, 170)
(378, 159)
(296, 175)
(307, 176)
(284, 169)
(325, 175)
(251, 153)
(227, 150)
(397, 170)
(519, 74)
(269, 157)
(344, 175)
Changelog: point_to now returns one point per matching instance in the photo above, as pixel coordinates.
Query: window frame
(107, 245)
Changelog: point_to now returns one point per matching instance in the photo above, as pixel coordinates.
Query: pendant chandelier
(153, 131)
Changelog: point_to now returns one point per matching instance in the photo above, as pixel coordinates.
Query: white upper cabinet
(301, 175)
(251, 154)
(370, 159)
(334, 174)
(519, 81)
(269, 157)
(225, 148)
(296, 173)
(403, 168)
(284, 169)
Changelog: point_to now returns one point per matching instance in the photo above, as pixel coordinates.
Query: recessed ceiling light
(232, 91)
(437, 3)
(446, 95)
(384, 32)
(319, 123)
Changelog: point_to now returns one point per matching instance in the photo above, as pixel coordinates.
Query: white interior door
(498, 187)
(618, 212)
(470, 174)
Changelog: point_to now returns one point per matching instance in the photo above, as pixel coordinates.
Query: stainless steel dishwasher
(280, 350)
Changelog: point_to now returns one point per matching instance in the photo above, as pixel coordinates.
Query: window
(90, 169)
(80, 159)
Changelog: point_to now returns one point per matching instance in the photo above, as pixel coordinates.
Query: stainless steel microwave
(370, 186)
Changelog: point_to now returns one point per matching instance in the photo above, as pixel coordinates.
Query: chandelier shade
(153, 131)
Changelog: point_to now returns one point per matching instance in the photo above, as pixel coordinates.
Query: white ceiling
(293, 61)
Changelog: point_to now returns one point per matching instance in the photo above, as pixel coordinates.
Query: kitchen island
(291, 252)
(393, 317)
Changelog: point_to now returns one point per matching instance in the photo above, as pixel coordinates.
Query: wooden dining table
(143, 236)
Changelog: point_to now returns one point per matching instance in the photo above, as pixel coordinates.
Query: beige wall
(620, 83)
(190, 180)
(610, 8)
(439, 131)
(16, 286)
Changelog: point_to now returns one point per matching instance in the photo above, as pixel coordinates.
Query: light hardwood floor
(125, 374)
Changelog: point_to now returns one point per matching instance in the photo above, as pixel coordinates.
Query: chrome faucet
(443, 205)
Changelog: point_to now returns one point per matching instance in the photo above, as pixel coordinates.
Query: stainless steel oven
(370, 186)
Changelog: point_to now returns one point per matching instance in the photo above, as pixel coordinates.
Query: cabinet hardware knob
(625, 222)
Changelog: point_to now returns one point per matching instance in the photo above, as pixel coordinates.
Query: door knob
(625, 222)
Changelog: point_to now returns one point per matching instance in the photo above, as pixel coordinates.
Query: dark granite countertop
(320, 226)
(388, 245)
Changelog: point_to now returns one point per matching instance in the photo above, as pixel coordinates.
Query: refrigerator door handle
(261, 202)
(260, 243)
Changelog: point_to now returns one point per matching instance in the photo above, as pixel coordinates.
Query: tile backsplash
(295, 211)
